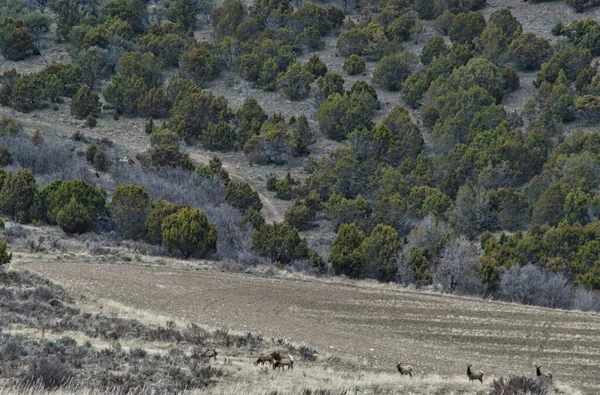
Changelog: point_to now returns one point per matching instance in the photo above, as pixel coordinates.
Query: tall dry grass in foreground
(252, 380)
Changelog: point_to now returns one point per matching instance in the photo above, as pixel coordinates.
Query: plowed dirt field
(373, 325)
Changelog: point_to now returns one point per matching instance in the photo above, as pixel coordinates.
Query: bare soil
(376, 325)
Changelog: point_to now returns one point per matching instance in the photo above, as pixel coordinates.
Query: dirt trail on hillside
(270, 211)
(375, 325)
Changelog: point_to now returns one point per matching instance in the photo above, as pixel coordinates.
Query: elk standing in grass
(210, 353)
(283, 362)
(404, 370)
(542, 376)
(474, 375)
(268, 357)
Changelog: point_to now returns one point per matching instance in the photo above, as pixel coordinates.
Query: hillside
(384, 181)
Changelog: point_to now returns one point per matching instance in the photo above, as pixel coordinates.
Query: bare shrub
(515, 385)
(50, 373)
(585, 300)
(308, 353)
(459, 266)
(47, 160)
(14, 232)
(533, 285)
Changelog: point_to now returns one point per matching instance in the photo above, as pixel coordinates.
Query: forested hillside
(405, 160)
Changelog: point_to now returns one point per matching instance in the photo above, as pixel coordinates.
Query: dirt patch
(377, 325)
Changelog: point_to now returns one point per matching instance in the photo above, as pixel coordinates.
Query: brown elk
(478, 375)
(269, 357)
(283, 362)
(541, 375)
(404, 370)
(210, 353)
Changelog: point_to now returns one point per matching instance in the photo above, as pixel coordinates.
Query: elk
(474, 375)
(283, 362)
(404, 370)
(210, 353)
(541, 375)
(127, 160)
(268, 357)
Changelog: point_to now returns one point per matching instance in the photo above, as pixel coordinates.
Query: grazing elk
(269, 357)
(283, 362)
(404, 370)
(128, 160)
(474, 375)
(541, 375)
(209, 353)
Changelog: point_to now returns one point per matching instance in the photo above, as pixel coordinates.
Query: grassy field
(373, 327)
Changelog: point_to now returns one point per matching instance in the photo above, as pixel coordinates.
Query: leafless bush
(533, 285)
(14, 232)
(50, 373)
(585, 300)
(459, 266)
(308, 353)
(516, 385)
(405, 274)
(47, 161)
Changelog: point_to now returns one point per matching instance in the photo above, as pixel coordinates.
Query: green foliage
(316, 66)
(569, 59)
(302, 136)
(300, 216)
(9, 126)
(347, 255)
(183, 12)
(240, 195)
(133, 12)
(511, 79)
(18, 44)
(478, 72)
(154, 103)
(435, 47)
(227, 18)
(507, 22)
(219, 137)
(91, 121)
(279, 242)
(5, 256)
(161, 136)
(444, 21)
(380, 250)
(342, 210)
(354, 65)
(85, 102)
(492, 44)
(18, 195)
(5, 157)
(129, 209)
(466, 26)
(341, 114)
(167, 156)
(137, 74)
(73, 218)
(425, 8)
(588, 108)
(391, 71)
(549, 209)
(267, 79)
(159, 211)
(199, 64)
(188, 234)
(330, 84)
(214, 168)
(192, 114)
(271, 146)
(295, 82)
(312, 15)
(57, 194)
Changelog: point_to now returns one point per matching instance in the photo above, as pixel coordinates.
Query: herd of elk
(477, 375)
(278, 361)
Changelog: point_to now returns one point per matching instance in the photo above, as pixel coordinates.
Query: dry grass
(364, 325)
